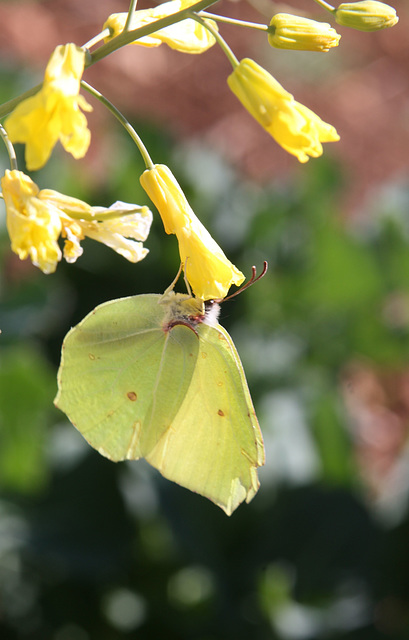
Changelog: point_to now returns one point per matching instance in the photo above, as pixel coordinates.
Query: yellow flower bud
(294, 32)
(207, 269)
(295, 127)
(368, 15)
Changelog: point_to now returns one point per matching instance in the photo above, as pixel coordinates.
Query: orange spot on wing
(132, 396)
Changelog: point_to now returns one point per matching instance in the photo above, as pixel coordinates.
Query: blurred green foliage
(90, 549)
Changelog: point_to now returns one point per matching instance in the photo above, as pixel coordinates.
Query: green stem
(130, 36)
(131, 11)
(129, 128)
(240, 23)
(10, 148)
(104, 34)
(326, 5)
(220, 41)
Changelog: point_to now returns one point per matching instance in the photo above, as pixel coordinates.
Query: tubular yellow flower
(368, 15)
(294, 32)
(187, 36)
(36, 219)
(297, 129)
(207, 269)
(54, 113)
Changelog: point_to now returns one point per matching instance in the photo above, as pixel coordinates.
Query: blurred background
(90, 549)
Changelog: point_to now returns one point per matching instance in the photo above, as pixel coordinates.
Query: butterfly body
(147, 376)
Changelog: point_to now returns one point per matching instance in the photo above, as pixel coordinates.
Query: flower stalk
(220, 41)
(326, 5)
(10, 149)
(131, 10)
(234, 21)
(124, 122)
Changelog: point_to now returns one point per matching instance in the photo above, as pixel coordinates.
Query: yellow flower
(297, 129)
(36, 219)
(294, 32)
(54, 112)
(187, 35)
(367, 15)
(207, 269)
(33, 227)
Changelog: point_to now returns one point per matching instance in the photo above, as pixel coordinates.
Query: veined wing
(213, 445)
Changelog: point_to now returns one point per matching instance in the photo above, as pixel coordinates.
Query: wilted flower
(207, 269)
(36, 219)
(187, 35)
(294, 32)
(297, 129)
(368, 15)
(54, 112)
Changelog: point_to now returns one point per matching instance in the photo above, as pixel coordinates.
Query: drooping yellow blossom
(294, 32)
(207, 269)
(367, 15)
(295, 127)
(36, 219)
(187, 35)
(54, 113)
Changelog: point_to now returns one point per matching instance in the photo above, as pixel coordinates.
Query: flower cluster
(37, 219)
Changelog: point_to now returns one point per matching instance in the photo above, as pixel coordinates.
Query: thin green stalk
(10, 148)
(129, 128)
(130, 36)
(240, 23)
(220, 41)
(326, 5)
(100, 36)
(131, 11)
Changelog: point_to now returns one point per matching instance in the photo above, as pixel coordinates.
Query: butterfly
(156, 377)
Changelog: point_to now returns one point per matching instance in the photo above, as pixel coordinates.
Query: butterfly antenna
(248, 284)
